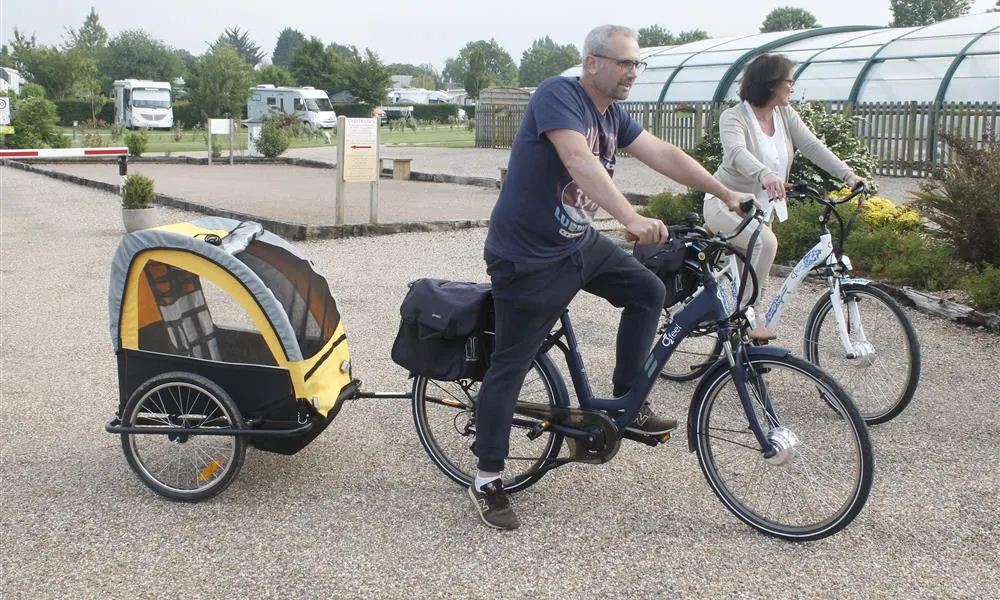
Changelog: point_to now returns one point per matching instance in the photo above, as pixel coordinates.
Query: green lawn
(442, 136)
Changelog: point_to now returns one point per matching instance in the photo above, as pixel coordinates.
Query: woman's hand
(775, 186)
(853, 180)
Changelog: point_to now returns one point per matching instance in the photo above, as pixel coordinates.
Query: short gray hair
(598, 38)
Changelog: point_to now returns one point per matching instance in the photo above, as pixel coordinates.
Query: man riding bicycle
(541, 248)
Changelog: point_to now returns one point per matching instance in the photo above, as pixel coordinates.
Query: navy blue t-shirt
(542, 215)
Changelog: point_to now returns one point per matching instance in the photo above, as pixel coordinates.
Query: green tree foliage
(289, 40)
(35, 122)
(499, 65)
(788, 18)
(275, 75)
(544, 59)
(319, 67)
(369, 79)
(91, 38)
(57, 71)
(240, 42)
(914, 13)
(274, 137)
(476, 77)
(348, 53)
(220, 83)
(134, 54)
(654, 35)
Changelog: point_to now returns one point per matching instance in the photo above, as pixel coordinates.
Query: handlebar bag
(667, 262)
(442, 329)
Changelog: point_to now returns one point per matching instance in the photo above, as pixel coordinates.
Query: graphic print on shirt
(575, 211)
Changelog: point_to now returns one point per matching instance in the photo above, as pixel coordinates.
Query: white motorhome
(142, 103)
(310, 105)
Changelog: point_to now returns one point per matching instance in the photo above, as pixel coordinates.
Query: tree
(35, 122)
(289, 40)
(544, 59)
(275, 75)
(499, 65)
(220, 82)
(915, 13)
(91, 38)
(654, 35)
(134, 54)
(369, 79)
(57, 71)
(319, 67)
(240, 42)
(347, 53)
(788, 18)
(476, 77)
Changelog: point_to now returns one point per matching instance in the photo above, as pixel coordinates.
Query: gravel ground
(362, 512)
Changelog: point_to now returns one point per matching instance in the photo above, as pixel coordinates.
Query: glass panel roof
(904, 80)
(988, 43)
(822, 42)
(976, 23)
(694, 91)
(827, 81)
(907, 47)
(975, 80)
(716, 58)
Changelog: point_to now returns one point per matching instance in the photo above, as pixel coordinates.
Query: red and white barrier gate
(121, 153)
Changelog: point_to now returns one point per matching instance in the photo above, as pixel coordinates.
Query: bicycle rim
(444, 414)
(881, 381)
(817, 485)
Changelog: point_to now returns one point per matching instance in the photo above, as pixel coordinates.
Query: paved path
(362, 513)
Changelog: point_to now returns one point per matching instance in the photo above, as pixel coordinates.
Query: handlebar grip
(746, 204)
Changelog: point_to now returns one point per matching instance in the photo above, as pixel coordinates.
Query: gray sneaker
(493, 505)
(649, 423)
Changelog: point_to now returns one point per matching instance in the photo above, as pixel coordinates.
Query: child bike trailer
(225, 335)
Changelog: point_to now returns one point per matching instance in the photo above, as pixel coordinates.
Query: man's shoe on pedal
(649, 423)
(493, 505)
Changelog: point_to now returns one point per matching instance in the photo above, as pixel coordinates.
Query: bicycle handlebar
(804, 191)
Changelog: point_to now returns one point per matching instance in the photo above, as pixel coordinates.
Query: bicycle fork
(777, 443)
(849, 326)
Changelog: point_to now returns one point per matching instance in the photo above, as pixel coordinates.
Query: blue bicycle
(780, 442)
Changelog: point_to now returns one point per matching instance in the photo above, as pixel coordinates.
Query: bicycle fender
(855, 281)
(558, 384)
(721, 365)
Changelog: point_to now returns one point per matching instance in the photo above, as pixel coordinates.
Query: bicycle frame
(710, 304)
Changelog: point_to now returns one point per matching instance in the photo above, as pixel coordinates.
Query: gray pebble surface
(362, 512)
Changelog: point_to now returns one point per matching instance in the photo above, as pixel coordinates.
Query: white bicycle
(855, 332)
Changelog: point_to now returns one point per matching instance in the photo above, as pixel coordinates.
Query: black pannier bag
(667, 262)
(442, 330)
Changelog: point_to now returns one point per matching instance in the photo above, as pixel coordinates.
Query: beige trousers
(719, 218)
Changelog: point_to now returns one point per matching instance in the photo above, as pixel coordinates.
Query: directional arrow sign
(360, 154)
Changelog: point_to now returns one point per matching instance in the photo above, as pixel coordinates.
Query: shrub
(470, 110)
(963, 201)
(834, 129)
(117, 132)
(218, 141)
(184, 112)
(60, 141)
(73, 110)
(984, 288)
(136, 142)
(274, 139)
(438, 113)
(97, 123)
(177, 130)
(673, 208)
(34, 120)
(93, 140)
(139, 192)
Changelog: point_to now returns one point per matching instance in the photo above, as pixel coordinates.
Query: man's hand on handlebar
(737, 202)
(647, 230)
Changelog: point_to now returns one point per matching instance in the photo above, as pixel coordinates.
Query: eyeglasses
(625, 64)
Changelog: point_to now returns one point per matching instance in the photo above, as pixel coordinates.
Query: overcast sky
(415, 31)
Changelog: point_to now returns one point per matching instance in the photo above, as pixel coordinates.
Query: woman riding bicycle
(759, 138)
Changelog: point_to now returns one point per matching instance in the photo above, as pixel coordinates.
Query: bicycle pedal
(649, 440)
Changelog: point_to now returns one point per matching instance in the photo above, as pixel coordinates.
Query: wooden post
(232, 138)
(208, 132)
(373, 191)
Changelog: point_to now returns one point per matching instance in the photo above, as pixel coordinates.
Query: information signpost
(357, 160)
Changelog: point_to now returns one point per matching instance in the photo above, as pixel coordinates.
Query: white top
(773, 155)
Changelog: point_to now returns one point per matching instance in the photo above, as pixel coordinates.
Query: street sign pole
(373, 200)
(341, 180)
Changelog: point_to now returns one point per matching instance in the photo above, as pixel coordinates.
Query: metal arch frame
(809, 61)
(950, 73)
(943, 89)
(852, 98)
(737, 65)
(677, 69)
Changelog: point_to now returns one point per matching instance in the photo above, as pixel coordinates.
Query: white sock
(483, 480)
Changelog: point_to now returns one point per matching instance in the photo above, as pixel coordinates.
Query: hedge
(355, 110)
(435, 112)
(79, 110)
(186, 114)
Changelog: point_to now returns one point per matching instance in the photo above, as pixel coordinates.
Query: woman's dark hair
(762, 75)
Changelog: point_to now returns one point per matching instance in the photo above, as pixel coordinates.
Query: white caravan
(308, 104)
(141, 103)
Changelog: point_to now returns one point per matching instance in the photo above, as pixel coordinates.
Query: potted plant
(138, 211)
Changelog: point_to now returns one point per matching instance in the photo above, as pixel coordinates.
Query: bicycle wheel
(883, 377)
(444, 413)
(693, 356)
(180, 466)
(819, 480)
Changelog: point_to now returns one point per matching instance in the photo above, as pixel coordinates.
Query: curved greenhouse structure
(905, 84)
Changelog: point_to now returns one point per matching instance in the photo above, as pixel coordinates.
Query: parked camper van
(141, 103)
(310, 105)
